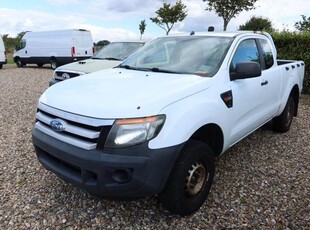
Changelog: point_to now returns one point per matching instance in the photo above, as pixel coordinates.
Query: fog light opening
(121, 175)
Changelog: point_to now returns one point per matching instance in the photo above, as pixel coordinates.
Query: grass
(9, 57)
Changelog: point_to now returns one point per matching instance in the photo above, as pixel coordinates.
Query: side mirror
(246, 70)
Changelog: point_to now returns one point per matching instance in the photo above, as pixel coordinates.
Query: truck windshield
(200, 55)
(117, 50)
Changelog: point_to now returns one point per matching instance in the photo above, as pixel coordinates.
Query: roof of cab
(217, 34)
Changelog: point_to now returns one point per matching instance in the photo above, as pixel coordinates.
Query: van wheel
(282, 123)
(19, 64)
(53, 63)
(190, 180)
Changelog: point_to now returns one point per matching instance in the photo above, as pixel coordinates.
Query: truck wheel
(53, 63)
(282, 123)
(19, 64)
(190, 180)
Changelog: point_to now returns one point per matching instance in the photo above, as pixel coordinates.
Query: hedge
(295, 46)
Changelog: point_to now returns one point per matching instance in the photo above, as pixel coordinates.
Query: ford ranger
(154, 124)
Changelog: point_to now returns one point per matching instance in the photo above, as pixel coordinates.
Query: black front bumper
(116, 174)
(53, 81)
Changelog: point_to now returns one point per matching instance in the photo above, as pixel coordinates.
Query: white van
(2, 53)
(55, 47)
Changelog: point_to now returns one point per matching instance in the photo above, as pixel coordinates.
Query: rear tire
(282, 123)
(54, 63)
(190, 180)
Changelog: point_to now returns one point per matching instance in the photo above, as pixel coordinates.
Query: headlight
(133, 131)
(55, 75)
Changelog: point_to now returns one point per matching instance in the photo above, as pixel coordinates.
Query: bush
(295, 46)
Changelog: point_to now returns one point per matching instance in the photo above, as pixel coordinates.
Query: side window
(267, 53)
(246, 51)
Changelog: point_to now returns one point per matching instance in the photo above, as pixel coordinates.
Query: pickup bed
(155, 123)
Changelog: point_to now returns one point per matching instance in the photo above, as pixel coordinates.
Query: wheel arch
(295, 94)
(212, 135)
(16, 58)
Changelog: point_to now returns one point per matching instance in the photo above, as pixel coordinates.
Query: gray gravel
(260, 183)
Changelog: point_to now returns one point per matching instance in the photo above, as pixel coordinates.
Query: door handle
(264, 83)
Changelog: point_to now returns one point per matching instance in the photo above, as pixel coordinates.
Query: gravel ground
(260, 183)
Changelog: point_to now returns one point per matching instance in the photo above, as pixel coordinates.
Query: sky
(116, 20)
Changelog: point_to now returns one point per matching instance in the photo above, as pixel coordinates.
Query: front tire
(190, 180)
(282, 123)
(19, 64)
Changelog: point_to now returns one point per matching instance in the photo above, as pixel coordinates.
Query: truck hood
(89, 65)
(121, 93)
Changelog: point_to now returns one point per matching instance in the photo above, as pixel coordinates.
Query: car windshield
(200, 55)
(117, 50)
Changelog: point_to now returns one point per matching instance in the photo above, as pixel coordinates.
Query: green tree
(228, 9)
(303, 25)
(9, 43)
(20, 35)
(257, 24)
(169, 14)
(102, 43)
(142, 26)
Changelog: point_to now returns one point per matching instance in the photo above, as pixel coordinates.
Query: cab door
(248, 94)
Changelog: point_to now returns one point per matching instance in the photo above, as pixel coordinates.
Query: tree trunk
(225, 24)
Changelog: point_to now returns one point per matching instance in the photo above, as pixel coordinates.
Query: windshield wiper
(125, 67)
(164, 70)
(96, 58)
(112, 59)
(154, 69)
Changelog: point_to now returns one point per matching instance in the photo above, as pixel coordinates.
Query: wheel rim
(54, 65)
(196, 179)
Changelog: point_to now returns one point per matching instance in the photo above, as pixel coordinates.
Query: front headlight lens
(133, 131)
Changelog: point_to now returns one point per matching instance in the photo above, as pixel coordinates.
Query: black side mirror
(246, 70)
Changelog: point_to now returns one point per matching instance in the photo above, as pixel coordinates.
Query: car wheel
(19, 64)
(190, 180)
(282, 123)
(53, 63)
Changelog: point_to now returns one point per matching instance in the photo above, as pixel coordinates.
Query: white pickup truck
(154, 124)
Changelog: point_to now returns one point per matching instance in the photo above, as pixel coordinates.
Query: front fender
(186, 116)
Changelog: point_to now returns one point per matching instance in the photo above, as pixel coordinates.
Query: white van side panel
(2, 52)
(63, 45)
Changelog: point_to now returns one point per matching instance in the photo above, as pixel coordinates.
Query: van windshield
(117, 50)
(200, 55)
(21, 45)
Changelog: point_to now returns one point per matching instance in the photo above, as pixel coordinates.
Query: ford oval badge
(58, 125)
(65, 76)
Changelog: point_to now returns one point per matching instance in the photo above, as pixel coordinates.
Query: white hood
(89, 65)
(121, 93)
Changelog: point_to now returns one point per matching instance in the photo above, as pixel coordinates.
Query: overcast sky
(119, 19)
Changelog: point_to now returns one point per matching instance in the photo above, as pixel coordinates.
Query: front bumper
(116, 174)
(53, 81)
